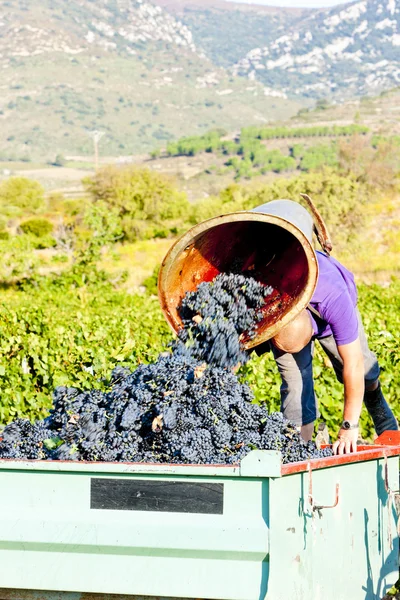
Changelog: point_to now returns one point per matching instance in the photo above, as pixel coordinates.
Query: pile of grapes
(187, 407)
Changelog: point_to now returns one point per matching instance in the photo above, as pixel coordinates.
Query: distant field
(380, 113)
(205, 174)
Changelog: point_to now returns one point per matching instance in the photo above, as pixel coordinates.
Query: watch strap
(347, 425)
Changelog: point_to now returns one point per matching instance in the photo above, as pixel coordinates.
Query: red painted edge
(388, 438)
(364, 453)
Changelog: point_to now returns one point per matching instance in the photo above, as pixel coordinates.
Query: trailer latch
(317, 508)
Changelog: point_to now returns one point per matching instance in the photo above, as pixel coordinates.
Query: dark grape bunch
(187, 407)
(216, 315)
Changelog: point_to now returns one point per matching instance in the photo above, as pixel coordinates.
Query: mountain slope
(125, 67)
(225, 31)
(146, 71)
(72, 27)
(350, 50)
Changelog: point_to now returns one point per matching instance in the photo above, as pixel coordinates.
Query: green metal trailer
(322, 529)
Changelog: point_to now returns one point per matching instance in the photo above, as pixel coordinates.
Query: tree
(37, 227)
(144, 200)
(59, 160)
(322, 104)
(20, 195)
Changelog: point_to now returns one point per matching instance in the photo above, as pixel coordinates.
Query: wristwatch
(347, 425)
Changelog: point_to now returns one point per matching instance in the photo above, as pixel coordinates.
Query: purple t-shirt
(335, 299)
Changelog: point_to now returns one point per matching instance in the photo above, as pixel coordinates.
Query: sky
(292, 3)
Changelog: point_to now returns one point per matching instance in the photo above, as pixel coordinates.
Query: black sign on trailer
(158, 496)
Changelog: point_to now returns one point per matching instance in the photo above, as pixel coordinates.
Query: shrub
(378, 166)
(190, 146)
(144, 200)
(319, 156)
(37, 227)
(44, 242)
(151, 282)
(269, 133)
(297, 150)
(18, 261)
(59, 160)
(20, 195)
(229, 147)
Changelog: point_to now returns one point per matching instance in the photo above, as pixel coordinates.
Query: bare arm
(353, 380)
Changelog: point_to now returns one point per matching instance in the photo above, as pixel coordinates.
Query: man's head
(295, 336)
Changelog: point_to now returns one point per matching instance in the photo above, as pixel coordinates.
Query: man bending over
(333, 319)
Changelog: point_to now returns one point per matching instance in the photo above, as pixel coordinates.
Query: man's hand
(346, 442)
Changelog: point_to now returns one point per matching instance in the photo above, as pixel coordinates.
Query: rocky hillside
(129, 68)
(226, 31)
(31, 29)
(147, 71)
(347, 51)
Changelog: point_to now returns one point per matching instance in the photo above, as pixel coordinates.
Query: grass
(23, 166)
(374, 253)
(128, 264)
(138, 260)
(80, 164)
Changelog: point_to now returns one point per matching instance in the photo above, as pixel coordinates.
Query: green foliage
(269, 133)
(376, 140)
(297, 151)
(229, 147)
(340, 200)
(56, 335)
(151, 283)
(103, 227)
(243, 167)
(322, 155)
(155, 153)
(37, 227)
(47, 241)
(278, 163)
(146, 202)
(256, 158)
(59, 161)
(254, 155)
(19, 195)
(18, 260)
(190, 146)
